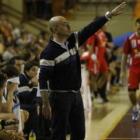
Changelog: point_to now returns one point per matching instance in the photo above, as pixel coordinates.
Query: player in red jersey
(97, 43)
(132, 47)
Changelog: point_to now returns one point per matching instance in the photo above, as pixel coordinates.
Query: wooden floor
(112, 120)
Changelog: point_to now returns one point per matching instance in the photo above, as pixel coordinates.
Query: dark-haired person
(12, 75)
(60, 75)
(132, 47)
(27, 93)
(18, 63)
(11, 103)
(7, 130)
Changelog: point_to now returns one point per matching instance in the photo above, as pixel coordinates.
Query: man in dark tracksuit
(60, 76)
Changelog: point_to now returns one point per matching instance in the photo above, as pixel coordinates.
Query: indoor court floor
(112, 120)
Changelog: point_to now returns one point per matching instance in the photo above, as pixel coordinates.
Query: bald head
(55, 21)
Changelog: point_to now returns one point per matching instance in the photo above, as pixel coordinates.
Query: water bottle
(32, 135)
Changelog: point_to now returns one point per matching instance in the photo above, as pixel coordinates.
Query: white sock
(108, 86)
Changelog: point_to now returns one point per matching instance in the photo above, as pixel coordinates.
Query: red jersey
(90, 62)
(132, 47)
(98, 40)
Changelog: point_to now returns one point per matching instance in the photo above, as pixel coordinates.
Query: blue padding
(119, 41)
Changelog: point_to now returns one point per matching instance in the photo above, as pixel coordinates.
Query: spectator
(18, 63)
(27, 93)
(8, 131)
(12, 103)
(9, 52)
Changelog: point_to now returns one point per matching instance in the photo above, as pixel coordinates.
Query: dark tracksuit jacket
(62, 67)
(60, 73)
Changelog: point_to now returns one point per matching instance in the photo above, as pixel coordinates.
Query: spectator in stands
(8, 131)
(6, 31)
(15, 31)
(18, 63)
(9, 52)
(28, 55)
(27, 93)
(23, 40)
(11, 72)
(40, 48)
(12, 103)
(43, 38)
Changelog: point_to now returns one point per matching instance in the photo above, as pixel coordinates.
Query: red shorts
(134, 77)
(94, 69)
(102, 66)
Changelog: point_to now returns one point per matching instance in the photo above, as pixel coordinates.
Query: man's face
(138, 28)
(63, 28)
(19, 65)
(32, 72)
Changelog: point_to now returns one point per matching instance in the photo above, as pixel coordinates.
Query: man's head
(17, 62)
(10, 71)
(137, 25)
(31, 69)
(59, 25)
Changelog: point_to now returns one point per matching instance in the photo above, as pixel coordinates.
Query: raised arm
(7, 106)
(94, 26)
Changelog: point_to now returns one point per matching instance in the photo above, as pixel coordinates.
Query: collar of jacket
(55, 44)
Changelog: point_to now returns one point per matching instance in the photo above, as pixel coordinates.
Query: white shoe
(99, 100)
(135, 115)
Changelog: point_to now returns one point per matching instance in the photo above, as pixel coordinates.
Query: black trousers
(67, 107)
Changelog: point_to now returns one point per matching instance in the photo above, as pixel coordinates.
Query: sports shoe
(105, 100)
(99, 100)
(135, 116)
